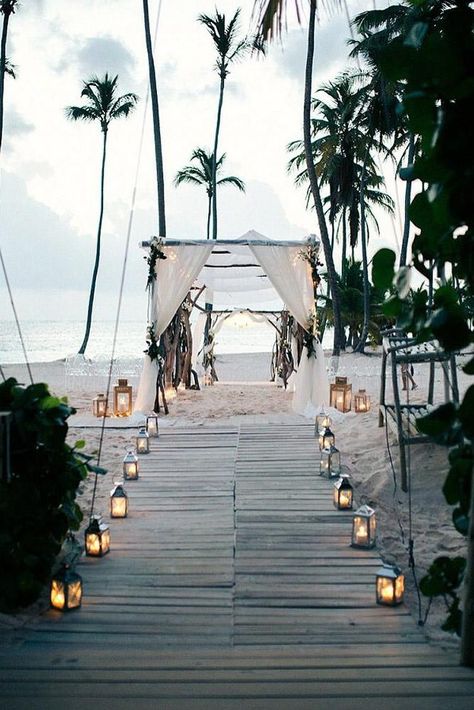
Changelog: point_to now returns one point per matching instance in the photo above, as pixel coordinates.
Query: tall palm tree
(201, 173)
(102, 105)
(229, 47)
(7, 8)
(160, 183)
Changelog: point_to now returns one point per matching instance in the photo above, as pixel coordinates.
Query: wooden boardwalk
(231, 585)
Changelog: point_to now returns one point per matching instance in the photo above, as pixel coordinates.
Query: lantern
(99, 406)
(389, 585)
(130, 466)
(361, 401)
(66, 590)
(5, 464)
(330, 463)
(343, 494)
(97, 538)
(142, 442)
(118, 502)
(340, 394)
(364, 527)
(122, 399)
(151, 425)
(326, 439)
(321, 422)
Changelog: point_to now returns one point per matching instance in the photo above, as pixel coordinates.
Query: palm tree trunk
(83, 347)
(363, 239)
(313, 181)
(406, 226)
(209, 208)
(344, 242)
(3, 59)
(160, 183)
(214, 159)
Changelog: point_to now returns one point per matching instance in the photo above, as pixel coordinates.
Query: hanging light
(389, 585)
(118, 502)
(364, 527)
(343, 493)
(122, 399)
(361, 401)
(130, 466)
(340, 394)
(151, 425)
(99, 406)
(142, 442)
(330, 462)
(66, 589)
(322, 421)
(326, 439)
(97, 537)
(5, 446)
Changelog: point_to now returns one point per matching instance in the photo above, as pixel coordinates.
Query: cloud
(98, 55)
(16, 125)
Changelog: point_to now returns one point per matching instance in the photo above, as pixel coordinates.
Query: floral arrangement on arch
(156, 252)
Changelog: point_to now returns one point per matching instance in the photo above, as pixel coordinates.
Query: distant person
(407, 376)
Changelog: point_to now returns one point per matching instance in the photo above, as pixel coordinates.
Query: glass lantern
(340, 394)
(99, 406)
(5, 446)
(151, 425)
(361, 401)
(326, 439)
(122, 399)
(118, 502)
(142, 442)
(343, 494)
(322, 421)
(66, 590)
(330, 463)
(389, 585)
(130, 466)
(364, 527)
(97, 537)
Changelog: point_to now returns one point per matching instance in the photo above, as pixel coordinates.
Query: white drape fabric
(290, 275)
(174, 277)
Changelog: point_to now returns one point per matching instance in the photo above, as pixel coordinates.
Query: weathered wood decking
(231, 585)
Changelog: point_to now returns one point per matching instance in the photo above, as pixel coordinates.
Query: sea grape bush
(37, 505)
(434, 59)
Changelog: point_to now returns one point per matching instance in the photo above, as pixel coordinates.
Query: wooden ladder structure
(398, 348)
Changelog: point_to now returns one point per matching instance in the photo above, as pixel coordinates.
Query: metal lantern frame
(327, 438)
(340, 395)
(142, 442)
(330, 462)
(130, 466)
(364, 518)
(65, 593)
(99, 406)
(152, 425)
(389, 585)
(99, 530)
(322, 421)
(118, 493)
(123, 397)
(361, 401)
(343, 497)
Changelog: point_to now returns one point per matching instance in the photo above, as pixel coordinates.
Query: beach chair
(401, 418)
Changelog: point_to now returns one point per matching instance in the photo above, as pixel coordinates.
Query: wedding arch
(249, 263)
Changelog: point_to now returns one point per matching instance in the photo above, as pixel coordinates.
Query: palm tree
(7, 8)
(160, 183)
(201, 173)
(103, 105)
(229, 49)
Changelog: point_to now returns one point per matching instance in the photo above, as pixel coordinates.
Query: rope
(10, 294)
(122, 279)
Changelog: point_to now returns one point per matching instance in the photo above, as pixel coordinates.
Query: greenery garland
(310, 254)
(156, 252)
(153, 347)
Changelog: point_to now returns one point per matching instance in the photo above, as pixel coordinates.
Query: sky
(49, 167)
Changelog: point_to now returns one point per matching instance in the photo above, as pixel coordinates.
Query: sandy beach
(244, 394)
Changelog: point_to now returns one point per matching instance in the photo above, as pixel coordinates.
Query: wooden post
(467, 637)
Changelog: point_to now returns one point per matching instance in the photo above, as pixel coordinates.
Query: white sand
(244, 394)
